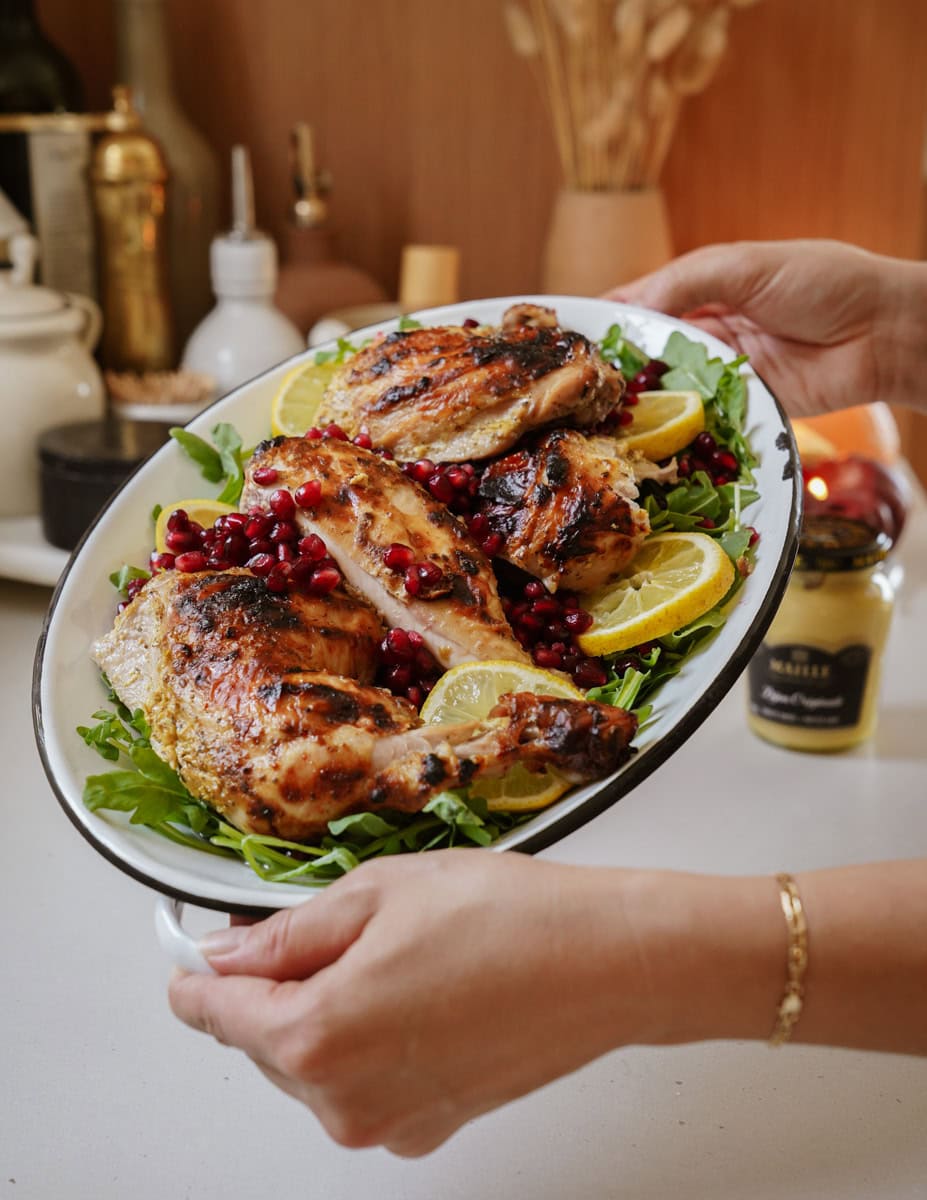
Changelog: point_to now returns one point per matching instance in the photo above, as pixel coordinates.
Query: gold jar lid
(831, 543)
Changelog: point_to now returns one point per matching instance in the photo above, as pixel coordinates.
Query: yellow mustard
(814, 682)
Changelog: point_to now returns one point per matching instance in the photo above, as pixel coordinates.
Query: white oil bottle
(245, 333)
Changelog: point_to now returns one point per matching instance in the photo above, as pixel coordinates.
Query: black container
(80, 466)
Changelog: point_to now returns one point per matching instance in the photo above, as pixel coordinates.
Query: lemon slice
(299, 397)
(203, 511)
(663, 423)
(674, 578)
(468, 693)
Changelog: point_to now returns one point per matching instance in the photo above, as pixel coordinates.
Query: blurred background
(501, 137)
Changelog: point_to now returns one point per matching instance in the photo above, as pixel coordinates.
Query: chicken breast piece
(451, 394)
(566, 506)
(232, 679)
(367, 505)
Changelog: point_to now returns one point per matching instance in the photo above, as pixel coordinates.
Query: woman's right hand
(826, 325)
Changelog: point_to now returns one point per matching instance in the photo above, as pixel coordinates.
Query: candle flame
(818, 488)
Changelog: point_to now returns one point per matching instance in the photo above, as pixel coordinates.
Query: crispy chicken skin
(566, 505)
(451, 393)
(237, 686)
(367, 504)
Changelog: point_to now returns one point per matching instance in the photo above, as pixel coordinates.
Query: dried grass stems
(614, 75)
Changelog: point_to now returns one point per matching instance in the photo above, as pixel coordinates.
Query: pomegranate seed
(334, 433)
(308, 494)
(641, 381)
(278, 577)
(265, 475)
(235, 548)
(261, 546)
(725, 461)
(530, 623)
(284, 531)
(412, 582)
(178, 520)
(397, 644)
(301, 569)
(399, 556)
(192, 560)
(399, 678)
(312, 547)
(161, 562)
(633, 387)
(629, 400)
(569, 600)
(285, 552)
(547, 606)
(133, 587)
(314, 434)
(548, 658)
(704, 443)
(423, 661)
(429, 573)
(478, 526)
(577, 621)
(364, 440)
(416, 641)
(180, 540)
(492, 545)
(282, 504)
(415, 695)
(625, 417)
(217, 562)
(684, 466)
(122, 606)
(707, 523)
(657, 367)
(324, 581)
(261, 564)
(469, 323)
(458, 478)
(235, 521)
(535, 589)
(589, 673)
(258, 527)
(754, 535)
(421, 471)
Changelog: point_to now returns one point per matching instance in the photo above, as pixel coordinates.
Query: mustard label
(809, 687)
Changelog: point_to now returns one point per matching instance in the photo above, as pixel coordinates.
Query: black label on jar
(802, 685)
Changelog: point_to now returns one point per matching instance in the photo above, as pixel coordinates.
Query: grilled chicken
(239, 689)
(368, 504)
(566, 506)
(450, 393)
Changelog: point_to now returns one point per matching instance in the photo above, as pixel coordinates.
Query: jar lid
(830, 543)
(88, 446)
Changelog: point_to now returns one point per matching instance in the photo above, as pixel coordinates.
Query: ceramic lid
(27, 311)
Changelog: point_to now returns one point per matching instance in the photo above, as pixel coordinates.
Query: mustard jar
(813, 684)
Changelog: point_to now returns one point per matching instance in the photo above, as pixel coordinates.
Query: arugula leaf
(691, 370)
(343, 350)
(616, 348)
(120, 579)
(407, 323)
(208, 459)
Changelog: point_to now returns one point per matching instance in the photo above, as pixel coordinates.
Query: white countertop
(104, 1095)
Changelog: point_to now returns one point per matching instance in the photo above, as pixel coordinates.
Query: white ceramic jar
(49, 375)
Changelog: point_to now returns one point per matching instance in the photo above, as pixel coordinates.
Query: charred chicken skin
(566, 506)
(453, 393)
(367, 505)
(239, 687)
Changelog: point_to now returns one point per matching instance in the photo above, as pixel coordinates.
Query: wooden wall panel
(434, 130)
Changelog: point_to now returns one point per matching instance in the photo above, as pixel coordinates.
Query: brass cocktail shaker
(129, 179)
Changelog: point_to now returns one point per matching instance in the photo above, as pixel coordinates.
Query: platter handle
(174, 940)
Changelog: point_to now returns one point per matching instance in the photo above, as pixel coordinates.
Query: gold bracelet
(793, 997)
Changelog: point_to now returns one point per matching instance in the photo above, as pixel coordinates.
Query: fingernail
(220, 942)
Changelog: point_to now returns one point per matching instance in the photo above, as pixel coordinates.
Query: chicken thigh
(450, 393)
(237, 685)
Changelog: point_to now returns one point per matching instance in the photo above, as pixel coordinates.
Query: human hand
(825, 324)
(419, 992)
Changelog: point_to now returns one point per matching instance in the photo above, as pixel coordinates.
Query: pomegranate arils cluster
(453, 484)
(265, 541)
(706, 455)
(407, 667)
(548, 625)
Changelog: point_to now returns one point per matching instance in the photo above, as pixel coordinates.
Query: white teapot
(47, 374)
